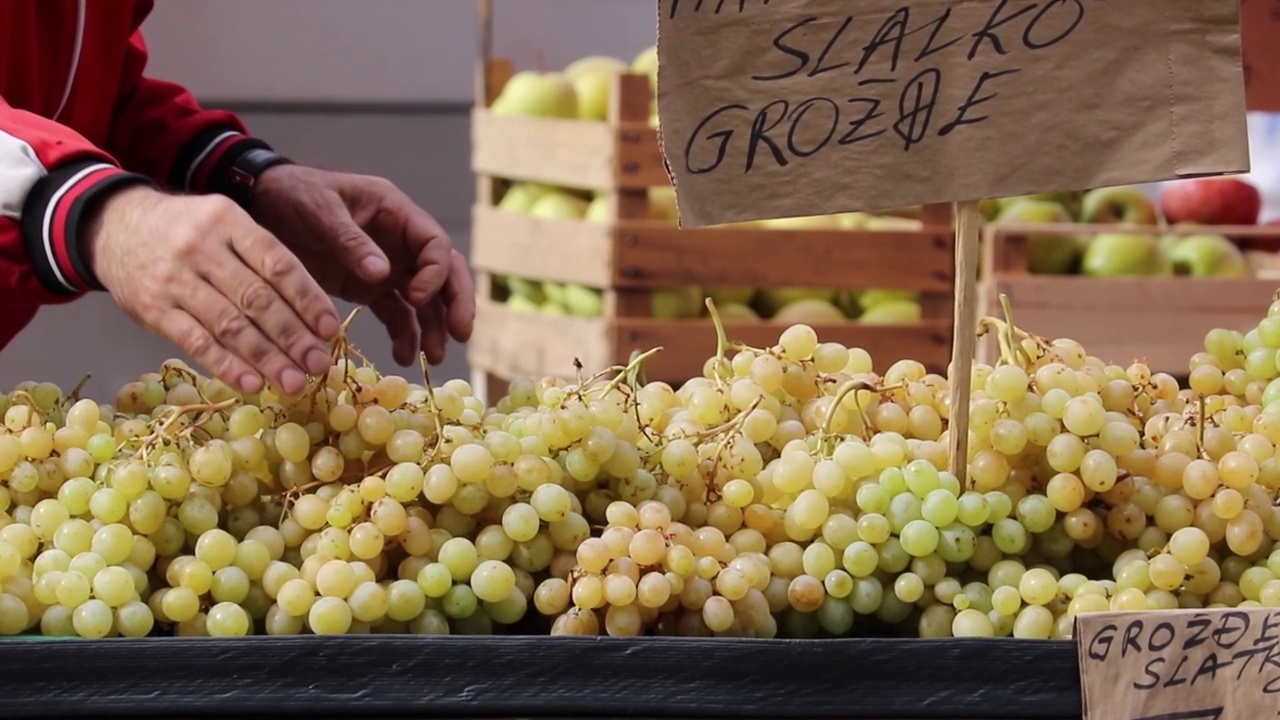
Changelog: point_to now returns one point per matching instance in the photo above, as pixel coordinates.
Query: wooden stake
(965, 338)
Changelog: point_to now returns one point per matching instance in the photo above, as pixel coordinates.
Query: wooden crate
(1162, 320)
(631, 256)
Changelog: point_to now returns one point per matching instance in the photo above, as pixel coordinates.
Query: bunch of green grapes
(790, 491)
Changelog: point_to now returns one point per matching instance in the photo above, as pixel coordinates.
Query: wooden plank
(659, 255)
(513, 344)
(509, 243)
(639, 160)
(570, 153)
(1163, 320)
(688, 343)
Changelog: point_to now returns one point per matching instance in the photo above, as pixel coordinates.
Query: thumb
(353, 246)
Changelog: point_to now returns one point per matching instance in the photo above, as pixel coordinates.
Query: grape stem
(732, 424)
(174, 416)
(722, 339)
(848, 387)
(23, 397)
(1200, 425)
(1011, 329)
(436, 413)
(74, 397)
(626, 371)
(988, 324)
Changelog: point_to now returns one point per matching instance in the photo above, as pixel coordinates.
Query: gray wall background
(374, 86)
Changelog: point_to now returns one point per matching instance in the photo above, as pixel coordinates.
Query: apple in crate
(593, 79)
(646, 64)
(812, 311)
(677, 303)
(583, 301)
(1211, 201)
(662, 204)
(521, 197)
(559, 205)
(731, 295)
(1122, 255)
(537, 94)
(520, 303)
(770, 300)
(530, 290)
(892, 312)
(1207, 256)
(736, 312)
(1108, 206)
(1049, 254)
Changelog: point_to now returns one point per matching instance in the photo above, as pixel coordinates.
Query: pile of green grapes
(791, 491)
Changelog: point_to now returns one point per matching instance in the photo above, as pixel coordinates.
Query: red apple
(1211, 201)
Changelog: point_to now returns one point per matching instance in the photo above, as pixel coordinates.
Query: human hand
(200, 272)
(365, 241)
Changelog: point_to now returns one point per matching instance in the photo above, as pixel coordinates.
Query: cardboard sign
(778, 108)
(1260, 29)
(1180, 664)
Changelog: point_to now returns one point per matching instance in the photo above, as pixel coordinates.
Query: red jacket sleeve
(50, 179)
(161, 131)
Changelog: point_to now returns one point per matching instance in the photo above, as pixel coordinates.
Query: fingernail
(328, 326)
(372, 267)
(250, 384)
(292, 381)
(317, 362)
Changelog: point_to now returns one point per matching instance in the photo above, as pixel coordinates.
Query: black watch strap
(243, 174)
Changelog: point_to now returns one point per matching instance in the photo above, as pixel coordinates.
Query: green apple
(530, 290)
(677, 303)
(1050, 254)
(731, 295)
(553, 292)
(594, 63)
(853, 221)
(886, 223)
(989, 208)
(811, 222)
(871, 299)
(537, 94)
(583, 301)
(1121, 255)
(593, 80)
(600, 209)
(849, 302)
(559, 205)
(662, 204)
(810, 311)
(520, 303)
(770, 300)
(731, 312)
(553, 308)
(1003, 203)
(1106, 206)
(1208, 256)
(646, 63)
(520, 197)
(894, 312)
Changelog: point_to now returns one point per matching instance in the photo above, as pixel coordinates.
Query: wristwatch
(243, 174)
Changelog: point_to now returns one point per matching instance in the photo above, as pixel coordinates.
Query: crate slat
(653, 255)
(515, 344)
(509, 243)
